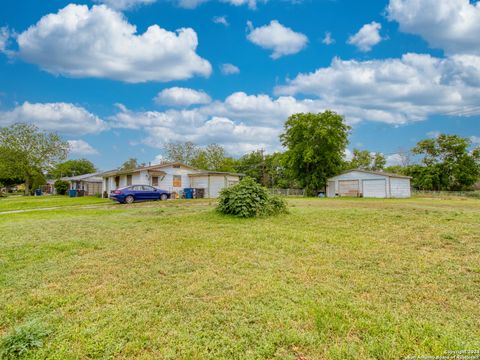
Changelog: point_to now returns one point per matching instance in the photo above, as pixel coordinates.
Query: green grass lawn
(13, 203)
(334, 279)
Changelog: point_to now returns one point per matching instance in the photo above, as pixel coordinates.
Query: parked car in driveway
(130, 194)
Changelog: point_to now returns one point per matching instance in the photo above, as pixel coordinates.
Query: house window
(129, 180)
(155, 180)
(176, 166)
(177, 181)
(117, 182)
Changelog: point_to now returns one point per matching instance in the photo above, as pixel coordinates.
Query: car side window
(137, 188)
(148, 188)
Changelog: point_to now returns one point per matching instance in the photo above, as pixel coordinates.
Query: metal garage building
(369, 184)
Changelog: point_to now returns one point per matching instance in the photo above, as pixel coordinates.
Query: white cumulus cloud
(81, 147)
(394, 91)
(192, 4)
(125, 4)
(328, 40)
(240, 123)
(452, 25)
(278, 38)
(221, 20)
(99, 42)
(367, 37)
(252, 4)
(4, 37)
(62, 117)
(229, 69)
(177, 96)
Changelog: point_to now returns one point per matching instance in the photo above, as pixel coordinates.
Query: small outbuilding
(174, 177)
(87, 184)
(213, 181)
(369, 184)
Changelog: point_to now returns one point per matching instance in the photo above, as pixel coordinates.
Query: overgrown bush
(61, 187)
(22, 339)
(250, 199)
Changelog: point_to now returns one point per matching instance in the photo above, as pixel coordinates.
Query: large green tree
(315, 147)
(364, 159)
(28, 153)
(447, 163)
(73, 168)
(131, 164)
(214, 158)
(278, 174)
(253, 165)
(267, 169)
(181, 152)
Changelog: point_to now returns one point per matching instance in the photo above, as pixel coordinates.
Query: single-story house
(369, 184)
(173, 177)
(89, 184)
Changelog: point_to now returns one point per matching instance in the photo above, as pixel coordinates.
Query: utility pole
(264, 170)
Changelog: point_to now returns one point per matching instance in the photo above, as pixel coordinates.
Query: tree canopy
(131, 164)
(315, 147)
(213, 158)
(447, 163)
(364, 159)
(181, 152)
(73, 168)
(28, 153)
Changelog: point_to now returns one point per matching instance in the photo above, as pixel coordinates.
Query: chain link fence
(444, 194)
(287, 192)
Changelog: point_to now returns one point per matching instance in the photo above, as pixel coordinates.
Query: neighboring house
(90, 184)
(369, 184)
(49, 187)
(174, 177)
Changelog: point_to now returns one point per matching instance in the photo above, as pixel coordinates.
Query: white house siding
(400, 188)
(201, 182)
(167, 182)
(369, 185)
(217, 183)
(214, 183)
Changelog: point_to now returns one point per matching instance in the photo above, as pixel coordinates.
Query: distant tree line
(315, 146)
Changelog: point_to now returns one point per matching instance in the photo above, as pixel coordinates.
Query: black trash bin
(199, 193)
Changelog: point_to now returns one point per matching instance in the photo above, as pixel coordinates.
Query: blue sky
(119, 80)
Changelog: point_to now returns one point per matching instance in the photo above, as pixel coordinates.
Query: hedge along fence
(250, 199)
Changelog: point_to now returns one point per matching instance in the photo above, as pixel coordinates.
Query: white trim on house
(173, 177)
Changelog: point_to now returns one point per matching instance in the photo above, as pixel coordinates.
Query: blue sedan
(130, 194)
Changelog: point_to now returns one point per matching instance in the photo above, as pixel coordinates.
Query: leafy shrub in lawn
(249, 199)
(22, 340)
(61, 187)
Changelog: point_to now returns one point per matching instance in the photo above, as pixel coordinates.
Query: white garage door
(400, 187)
(374, 188)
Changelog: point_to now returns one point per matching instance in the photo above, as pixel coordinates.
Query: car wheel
(163, 197)
(129, 199)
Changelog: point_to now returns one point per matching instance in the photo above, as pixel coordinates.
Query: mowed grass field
(334, 279)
